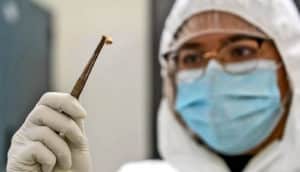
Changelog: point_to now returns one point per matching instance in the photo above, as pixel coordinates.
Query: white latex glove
(37, 145)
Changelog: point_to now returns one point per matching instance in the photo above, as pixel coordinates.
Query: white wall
(116, 96)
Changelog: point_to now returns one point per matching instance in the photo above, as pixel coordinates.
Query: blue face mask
(231, 113)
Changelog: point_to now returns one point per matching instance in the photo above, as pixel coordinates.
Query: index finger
(63, 102)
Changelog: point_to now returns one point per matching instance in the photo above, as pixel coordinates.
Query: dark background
(24, 67)
(159, 12)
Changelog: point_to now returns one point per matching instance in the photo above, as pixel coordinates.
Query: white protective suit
(280, 20)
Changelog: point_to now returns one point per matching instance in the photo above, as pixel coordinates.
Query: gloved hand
(38, 146)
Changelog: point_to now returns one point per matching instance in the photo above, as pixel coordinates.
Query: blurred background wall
(117, 94)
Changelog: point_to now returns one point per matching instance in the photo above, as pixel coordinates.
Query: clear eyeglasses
(235, 57)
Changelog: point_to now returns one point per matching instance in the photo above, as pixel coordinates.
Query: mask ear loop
(286, 102)
(288, 98)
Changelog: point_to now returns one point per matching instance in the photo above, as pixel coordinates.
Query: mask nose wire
(210, 57)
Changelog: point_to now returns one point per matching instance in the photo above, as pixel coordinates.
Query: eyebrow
(231, 39)
(236, 38)
(191, 45)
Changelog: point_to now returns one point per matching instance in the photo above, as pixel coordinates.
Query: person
(231, 93)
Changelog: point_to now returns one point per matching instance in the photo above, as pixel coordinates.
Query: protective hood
(280, 20)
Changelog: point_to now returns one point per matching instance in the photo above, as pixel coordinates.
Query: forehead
(221, 37)
(211, 37)
(216, 22)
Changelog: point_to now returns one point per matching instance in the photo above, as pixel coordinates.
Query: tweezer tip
(108, 40)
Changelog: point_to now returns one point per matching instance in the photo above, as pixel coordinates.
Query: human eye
(191, 58)
(241, 51)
